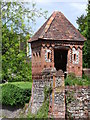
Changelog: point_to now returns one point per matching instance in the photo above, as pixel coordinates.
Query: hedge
(13, 95)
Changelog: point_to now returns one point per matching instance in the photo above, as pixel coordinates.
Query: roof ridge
(48, 24)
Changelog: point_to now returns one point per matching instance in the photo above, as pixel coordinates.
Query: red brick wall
(39, 61)
(36, 60)
(75, 67)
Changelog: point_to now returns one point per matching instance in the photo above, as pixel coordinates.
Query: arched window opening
(74, 57)
(39, 53)
(48, 55)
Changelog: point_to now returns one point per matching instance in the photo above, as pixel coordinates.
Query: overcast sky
(70, 8)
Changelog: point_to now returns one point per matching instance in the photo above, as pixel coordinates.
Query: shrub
(72, 80)
(13, 95)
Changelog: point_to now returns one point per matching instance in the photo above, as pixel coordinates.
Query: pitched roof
(57, 27)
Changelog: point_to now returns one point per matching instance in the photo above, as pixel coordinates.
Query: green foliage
(13, 95)
(70, 97)
(82, 24)
(19, 16)
(14, 65)
(16, 29)
(22, 85)
(47, 92)
(42, 113)
(72, 80)
(84, 28)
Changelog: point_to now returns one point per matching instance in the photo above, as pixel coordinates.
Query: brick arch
(80, 47)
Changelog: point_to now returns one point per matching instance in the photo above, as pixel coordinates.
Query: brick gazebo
(57, 44)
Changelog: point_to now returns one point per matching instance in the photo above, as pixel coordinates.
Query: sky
(70, 8)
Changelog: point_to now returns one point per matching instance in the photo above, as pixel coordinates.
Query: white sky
(44, 1)
(70, 8)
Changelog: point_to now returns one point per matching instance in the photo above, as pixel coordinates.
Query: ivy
(47, 92)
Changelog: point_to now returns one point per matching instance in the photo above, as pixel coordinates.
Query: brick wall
(40, 52)
(86, 71)
(57, 98)
(65, 102)
(75, 66)
(38, 86)
(50, 77)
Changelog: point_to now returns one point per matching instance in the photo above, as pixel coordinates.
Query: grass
(23, 85)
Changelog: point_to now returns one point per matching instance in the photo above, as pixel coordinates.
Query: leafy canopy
(84, 27)
(17, 20)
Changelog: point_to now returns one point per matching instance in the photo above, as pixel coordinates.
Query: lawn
(23, 85)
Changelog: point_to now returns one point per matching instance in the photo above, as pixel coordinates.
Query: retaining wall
(77, 102)
(65, 102)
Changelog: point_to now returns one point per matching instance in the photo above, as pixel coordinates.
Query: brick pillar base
(57, 99)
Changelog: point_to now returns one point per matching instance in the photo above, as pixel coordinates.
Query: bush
(72, 80)
(13, 95)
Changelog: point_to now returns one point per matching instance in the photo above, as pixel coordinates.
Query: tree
(16, 23)
(82, 24)
(88, 36)
(84, 27)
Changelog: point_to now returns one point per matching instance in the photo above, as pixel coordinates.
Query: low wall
(65, 102)
(57, 98)
(10, 112)
(54, 79)
(77, 102)
(38, 86)
(86, 71)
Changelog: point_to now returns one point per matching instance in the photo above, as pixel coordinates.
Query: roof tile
(57, 27)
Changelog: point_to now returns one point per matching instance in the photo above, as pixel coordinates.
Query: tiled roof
(57, 27)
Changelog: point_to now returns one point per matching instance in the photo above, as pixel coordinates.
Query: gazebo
(57, 44)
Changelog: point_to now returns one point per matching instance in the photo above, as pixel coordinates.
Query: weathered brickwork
(64, 102)
(57, 98)
(77, 102)
(56, 47)
(57, 44)
(86, 71)
(41, 52)
(54, 79)
(75, 60)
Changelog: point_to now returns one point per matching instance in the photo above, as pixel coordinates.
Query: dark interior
(60, 59)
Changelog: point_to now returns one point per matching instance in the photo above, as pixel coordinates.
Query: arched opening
(48, 55)
(60, 59)
(74, 57)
